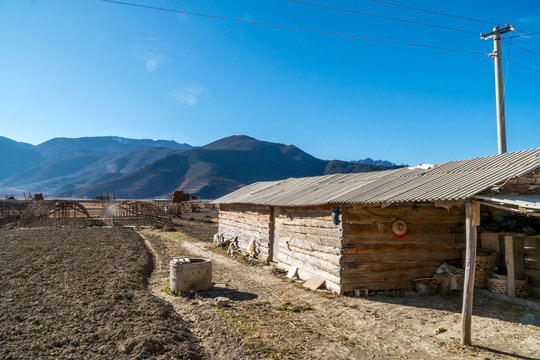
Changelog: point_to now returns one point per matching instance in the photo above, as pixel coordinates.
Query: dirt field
(91, 293)
(82, 293)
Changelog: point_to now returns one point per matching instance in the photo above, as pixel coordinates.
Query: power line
(448, 15)
(383, 17)
(433, 12)
(525, 67)
(294, 28)
(527, 34)
(524, 48)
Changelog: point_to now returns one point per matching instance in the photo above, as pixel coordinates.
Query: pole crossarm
(497, 31)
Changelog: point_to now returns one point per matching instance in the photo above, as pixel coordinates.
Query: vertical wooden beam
(470, 265)
(519, 257)
(510, 267)
(271, 235)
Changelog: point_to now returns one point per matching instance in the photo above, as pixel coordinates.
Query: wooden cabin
(381, 230)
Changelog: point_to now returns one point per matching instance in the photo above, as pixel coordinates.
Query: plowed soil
(82, 294)
(99, 293)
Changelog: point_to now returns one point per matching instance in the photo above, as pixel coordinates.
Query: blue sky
(87, 68)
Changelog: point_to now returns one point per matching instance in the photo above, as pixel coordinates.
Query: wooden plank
(292, 272)
(534, 277)
(490, 241)
(536, 259)
(314, 283)
(519, 257)
(476, 214)
(470, 265)
(277, 230)
(509, 260)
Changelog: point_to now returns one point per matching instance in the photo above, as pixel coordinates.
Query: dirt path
(272, 317)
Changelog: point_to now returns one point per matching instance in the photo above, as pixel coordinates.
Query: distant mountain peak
(370, 161)
(234, 142)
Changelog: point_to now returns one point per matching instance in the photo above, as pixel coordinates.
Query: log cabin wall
(528, 184)
(374, 259)
(309, 240)
(246, 221)
(532, 263)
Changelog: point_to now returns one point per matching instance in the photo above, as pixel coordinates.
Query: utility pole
(499, 88)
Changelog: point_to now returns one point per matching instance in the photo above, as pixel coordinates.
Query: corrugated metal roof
(454, 180)
(531, 202)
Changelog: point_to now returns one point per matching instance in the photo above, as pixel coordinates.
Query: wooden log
(386, 285)
(417, 256)
(233, 231)
(244, 225)
(313, 246)
(426, 215)
(264, 221)
(412, 229)
(470, 265)
(391, 275)
(509, 260)
(311, 230)
(318, 223)
(354, 268)
(311, 261)
(394, 248)
(285, 259)
(330, 258)
(323, 241)
(351, 241)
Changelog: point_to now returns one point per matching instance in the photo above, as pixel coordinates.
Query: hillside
(220, 167)
(62, 164)
(208, 172)
(100, 146)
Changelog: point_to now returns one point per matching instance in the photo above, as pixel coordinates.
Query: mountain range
(131, 168)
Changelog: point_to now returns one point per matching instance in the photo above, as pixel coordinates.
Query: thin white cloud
(150, 51)
(530, 20)
(189, 95)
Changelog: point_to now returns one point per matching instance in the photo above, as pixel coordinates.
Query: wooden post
(470, 265)
(510, 267)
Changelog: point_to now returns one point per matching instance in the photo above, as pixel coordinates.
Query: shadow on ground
(483, 306)
(232, 294)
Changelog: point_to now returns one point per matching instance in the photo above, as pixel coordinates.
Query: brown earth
(82, 293)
